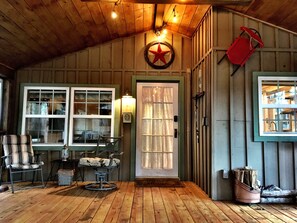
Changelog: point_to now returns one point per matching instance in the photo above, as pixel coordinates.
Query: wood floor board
(199, 200)
(235, 218)
(192, 208)
(137, 207)
(286, 209)
(237, 208)
(114, 212)
(159, 207)
(16, 204)
(125, 213)
(278, 214)
(148, 206)
(135, 204)
(105, 205)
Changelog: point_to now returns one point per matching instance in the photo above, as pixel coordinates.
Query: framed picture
(127, 117)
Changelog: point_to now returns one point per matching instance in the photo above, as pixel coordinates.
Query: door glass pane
(157, 127)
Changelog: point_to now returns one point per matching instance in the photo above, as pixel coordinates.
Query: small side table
(64, 164)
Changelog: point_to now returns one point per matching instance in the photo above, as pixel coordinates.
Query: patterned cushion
(19, 152)
(98, 162)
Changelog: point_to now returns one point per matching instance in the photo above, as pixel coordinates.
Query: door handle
(175, 133)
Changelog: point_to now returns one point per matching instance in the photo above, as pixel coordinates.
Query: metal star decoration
(159, 54)
(155, 51)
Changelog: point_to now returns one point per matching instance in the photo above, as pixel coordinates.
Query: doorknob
(175, 133)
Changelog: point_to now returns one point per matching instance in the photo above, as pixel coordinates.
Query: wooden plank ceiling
(32, 31)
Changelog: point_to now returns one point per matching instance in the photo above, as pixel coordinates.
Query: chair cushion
(98, 162)
(19, 152)
(26, 166)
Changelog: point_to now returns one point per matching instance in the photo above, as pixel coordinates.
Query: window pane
(278, 106)
(87, 130)
(45, 130)
(45, 115)
(105, 109)
(278, 92)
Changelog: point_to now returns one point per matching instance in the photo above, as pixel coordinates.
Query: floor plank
(132, 203)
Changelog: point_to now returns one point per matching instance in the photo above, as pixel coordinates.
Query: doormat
(158, 182)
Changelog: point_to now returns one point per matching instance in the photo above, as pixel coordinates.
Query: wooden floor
(132, 204)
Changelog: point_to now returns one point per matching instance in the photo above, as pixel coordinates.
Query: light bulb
(114, 15)
(174, 18)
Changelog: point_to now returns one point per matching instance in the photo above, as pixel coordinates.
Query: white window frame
(65, 116)
(262, 105)
(85, 116)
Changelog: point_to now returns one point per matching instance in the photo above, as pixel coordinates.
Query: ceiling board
(32, 31)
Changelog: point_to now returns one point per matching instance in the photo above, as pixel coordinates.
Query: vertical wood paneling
(202, 75)
(117, 54)
(139, 52)
(128, 48)
(47, 76)
(286, 164)
(186, 52)
(269, 37)
(106, 77)
(82, 77)
(178, 60)
(232, 121)
(273, 161)
(59, 77)
(284, 61)
(269, 64)
(60, 62)
(71, 61)
(47, 64)
(117, 77)
(295, 163)
(71, 77)
(114, 62)
(106, 52)
(83, 59)
(271, 164)
(285, 39)
(94, 57)
(35, 77)
(94, 77)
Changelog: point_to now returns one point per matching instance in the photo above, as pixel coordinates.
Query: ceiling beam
(182, 2)
(159, 14)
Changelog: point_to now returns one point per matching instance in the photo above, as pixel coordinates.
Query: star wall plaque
(159, 55)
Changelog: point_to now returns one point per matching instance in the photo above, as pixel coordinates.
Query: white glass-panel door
(157, 130)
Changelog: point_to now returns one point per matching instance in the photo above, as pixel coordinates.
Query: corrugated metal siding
(114, 63)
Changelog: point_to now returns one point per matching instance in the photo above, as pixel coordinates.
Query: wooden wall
(201, 109)
(114, 62)
(229, 100)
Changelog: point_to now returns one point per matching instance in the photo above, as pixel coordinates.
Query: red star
(159, 54)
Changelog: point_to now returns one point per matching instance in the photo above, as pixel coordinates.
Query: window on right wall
(275, 106)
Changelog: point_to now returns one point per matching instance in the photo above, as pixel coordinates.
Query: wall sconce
(128, 105)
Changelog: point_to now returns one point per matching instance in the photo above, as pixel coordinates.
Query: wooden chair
(103, 163)
(19, 158)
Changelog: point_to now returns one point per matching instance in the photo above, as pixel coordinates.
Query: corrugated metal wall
(229, 100)
(114, 63)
